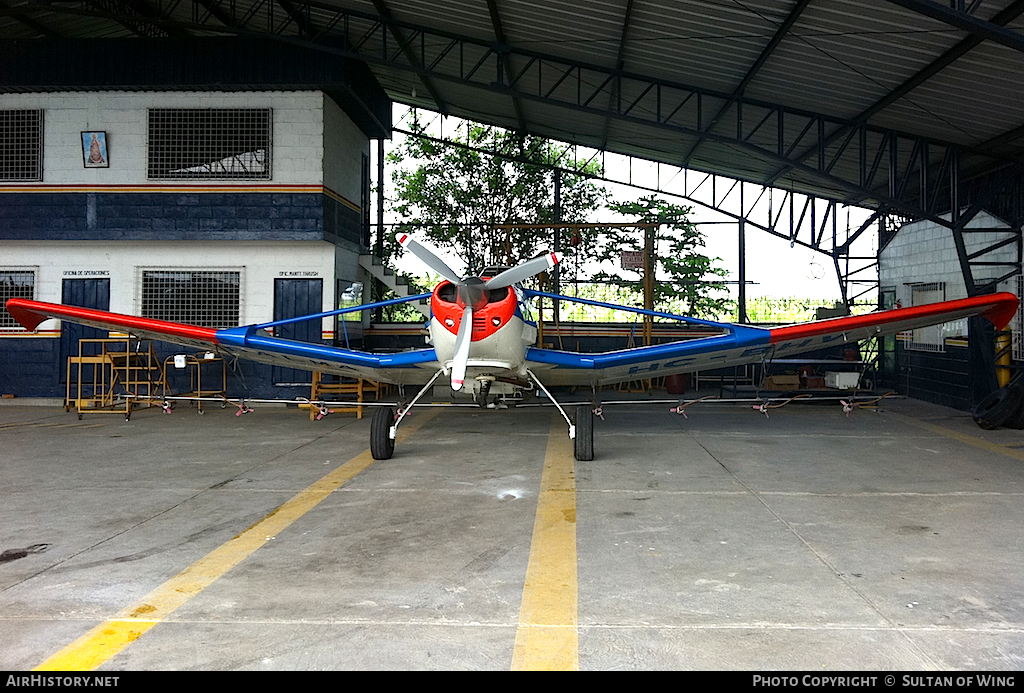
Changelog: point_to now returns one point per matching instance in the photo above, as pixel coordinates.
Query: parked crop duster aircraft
(483, 335)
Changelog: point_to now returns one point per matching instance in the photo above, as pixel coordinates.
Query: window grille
(18, 283)
(225, 143)
(21, 145)
(930, 338)
(197, 297)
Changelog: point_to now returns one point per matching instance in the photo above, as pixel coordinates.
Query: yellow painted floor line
(964, 437)
(120, 630)
(547, 638)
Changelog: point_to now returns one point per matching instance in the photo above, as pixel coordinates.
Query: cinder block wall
(303, 221)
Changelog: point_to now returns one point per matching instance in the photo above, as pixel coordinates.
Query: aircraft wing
(741, 344)
(248, 342)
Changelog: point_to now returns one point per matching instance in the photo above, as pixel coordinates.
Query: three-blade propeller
(472, 294)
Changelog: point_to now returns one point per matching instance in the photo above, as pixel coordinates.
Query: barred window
(15, 283)
(197, 297)
(931, 338)
(226, 143)
(21, 145)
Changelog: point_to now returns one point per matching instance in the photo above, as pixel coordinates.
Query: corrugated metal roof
(839, 59)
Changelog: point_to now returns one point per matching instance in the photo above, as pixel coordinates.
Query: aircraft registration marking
(120, 630)
(547, 638)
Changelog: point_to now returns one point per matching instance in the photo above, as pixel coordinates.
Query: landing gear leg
(384, 425)
(485, 390)
(582, 433)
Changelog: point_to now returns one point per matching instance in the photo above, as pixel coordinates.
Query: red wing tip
(21, 310)
(998, 308)
(1003, 311)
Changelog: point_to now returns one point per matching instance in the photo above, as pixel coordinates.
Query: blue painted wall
(939, 378)
(29, 368)
(103, 216)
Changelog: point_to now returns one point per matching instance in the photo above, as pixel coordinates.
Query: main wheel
(381, 445)
(584, 433)
(1017, 420)
(998, 409)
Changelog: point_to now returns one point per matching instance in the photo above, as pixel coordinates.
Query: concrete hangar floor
(805, 540)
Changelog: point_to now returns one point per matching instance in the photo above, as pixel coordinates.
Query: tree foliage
(452, 193)
(686, 280)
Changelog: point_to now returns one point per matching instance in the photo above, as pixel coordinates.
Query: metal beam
(1006, 15)
(990, 31)
(299, 15)
(499, 34)
(136, 16)
(780, 33)
(215, 11)
(35, 25)
(620, 63)
(1002, 140)
(397, 33)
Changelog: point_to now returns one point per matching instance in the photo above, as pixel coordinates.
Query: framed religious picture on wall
(94, 149)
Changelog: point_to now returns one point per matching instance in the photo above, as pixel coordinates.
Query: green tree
(452, 193)
(687, 280)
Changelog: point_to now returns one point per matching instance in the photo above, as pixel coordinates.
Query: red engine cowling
(488, 318)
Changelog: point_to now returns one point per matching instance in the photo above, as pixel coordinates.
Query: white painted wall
(343, 146)
(260, 263)
(923, 252)
(299, 136)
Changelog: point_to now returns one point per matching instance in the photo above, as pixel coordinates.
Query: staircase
(397, 283)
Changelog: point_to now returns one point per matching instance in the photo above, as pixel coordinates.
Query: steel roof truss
(686, 118)
(505, 64)
(212, 9)
(406, 51)
(1003, 17)
(35, 25)
(776, 39)
(964, 20)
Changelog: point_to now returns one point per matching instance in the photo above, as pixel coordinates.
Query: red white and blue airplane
(482, 337)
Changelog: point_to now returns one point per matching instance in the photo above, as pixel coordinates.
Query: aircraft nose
(472, 293)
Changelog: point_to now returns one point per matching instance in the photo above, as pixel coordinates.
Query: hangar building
(907, 107)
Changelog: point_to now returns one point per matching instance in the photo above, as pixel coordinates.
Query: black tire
(1017, 420)
(584, 433)
(381, 445)
(998, 409)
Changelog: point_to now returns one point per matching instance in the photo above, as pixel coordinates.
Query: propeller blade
(462, 342)
(524, 271)
(428, 257)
